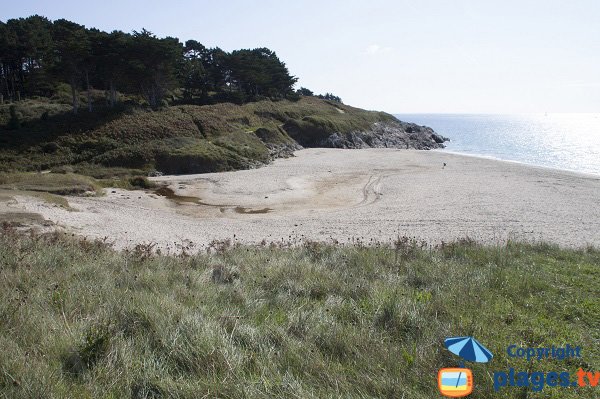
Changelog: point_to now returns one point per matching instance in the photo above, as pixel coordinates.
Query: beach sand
(344, 196)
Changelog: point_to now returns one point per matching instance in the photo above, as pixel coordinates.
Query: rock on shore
(388, 135)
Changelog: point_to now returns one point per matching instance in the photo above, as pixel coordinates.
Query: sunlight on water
(564, 141)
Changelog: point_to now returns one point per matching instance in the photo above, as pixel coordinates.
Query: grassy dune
(175, 139)
(78, 319)
(53, 183)
(55, 188)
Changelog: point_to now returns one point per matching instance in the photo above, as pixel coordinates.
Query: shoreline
(329, 195)
(494, 158)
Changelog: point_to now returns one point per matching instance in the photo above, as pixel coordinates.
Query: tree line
(37, 55)
(303, 91)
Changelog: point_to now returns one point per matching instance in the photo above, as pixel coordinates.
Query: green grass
(174, 139)
(52, 183)
(51, 187)
(78, 319)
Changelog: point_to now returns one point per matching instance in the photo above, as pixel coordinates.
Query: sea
(561, 141)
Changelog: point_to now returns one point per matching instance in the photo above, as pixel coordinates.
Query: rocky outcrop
(283, 150)
(279, 144)
(387, 135)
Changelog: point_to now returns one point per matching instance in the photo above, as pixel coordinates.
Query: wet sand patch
(248, 211)
(169, 193)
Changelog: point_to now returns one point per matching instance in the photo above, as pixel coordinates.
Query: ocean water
(562, 141)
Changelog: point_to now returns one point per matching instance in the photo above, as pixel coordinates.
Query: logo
(455, 382)
(536, 381)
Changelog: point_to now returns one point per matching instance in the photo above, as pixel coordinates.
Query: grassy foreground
(78, 319)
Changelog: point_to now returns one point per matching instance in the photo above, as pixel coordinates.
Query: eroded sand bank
(326, 194)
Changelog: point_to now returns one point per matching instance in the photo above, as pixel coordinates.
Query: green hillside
(176, 139)
(78, 99)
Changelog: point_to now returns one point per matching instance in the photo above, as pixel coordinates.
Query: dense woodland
(39, 56)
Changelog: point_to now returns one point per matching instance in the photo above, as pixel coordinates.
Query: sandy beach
(343, 195)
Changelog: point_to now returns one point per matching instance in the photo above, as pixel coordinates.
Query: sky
(461, 56)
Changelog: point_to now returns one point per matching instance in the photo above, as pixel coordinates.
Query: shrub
(64, 169)
(50, 148)
(14, 122)
(141, 182)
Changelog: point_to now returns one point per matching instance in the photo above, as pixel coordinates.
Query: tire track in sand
(372, 190)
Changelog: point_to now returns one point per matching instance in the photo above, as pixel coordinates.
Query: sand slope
(329, 194)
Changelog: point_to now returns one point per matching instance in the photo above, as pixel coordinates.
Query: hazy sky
(397, 56)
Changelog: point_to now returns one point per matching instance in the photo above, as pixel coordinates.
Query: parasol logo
(456, 382)
(469, 349)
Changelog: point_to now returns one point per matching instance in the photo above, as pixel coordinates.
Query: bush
(64, 169)
(303, 91)
(293, 97)
(14, 122)
(50, 148)
(141, 182)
